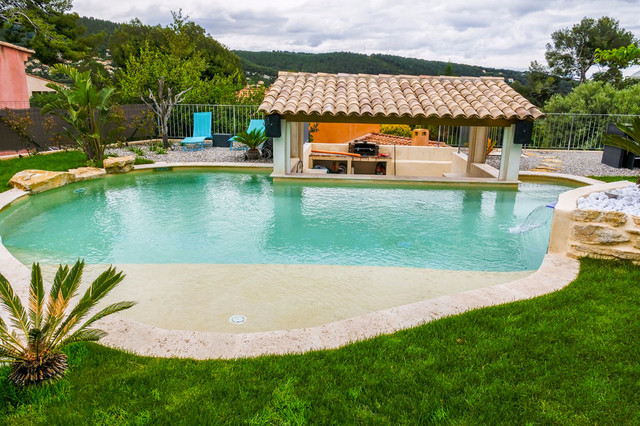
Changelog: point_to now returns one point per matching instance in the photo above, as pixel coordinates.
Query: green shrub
(396, 129)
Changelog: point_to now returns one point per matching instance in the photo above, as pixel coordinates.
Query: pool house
(477, 103)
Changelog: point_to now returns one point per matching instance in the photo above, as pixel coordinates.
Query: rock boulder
(86, 173)
(119, 164)
(37, 181)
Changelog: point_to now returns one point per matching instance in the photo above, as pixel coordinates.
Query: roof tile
(403, 96)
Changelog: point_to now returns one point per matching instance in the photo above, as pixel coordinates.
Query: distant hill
(265, 65)
(95, 26)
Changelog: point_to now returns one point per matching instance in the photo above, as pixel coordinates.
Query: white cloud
(503, 34)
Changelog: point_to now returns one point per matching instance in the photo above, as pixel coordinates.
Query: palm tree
(631, 144)
(252, 139)
(84, 108)
(34, 340)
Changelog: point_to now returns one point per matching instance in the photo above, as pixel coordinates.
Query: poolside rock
(600, 252)
(636, 220)
(119, 164)
(584, 215)
(37, 181)
(615, 218)
(86, 173)
(596, 234)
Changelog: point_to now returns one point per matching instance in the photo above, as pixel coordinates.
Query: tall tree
(541, 85)
(181, 38)
(573, 51)
(44, 26)
(448, 70)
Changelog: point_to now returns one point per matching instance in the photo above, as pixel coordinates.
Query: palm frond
(85, 335)
(99, 288)
(631, 145)
(70, 285)
(9, 339)
(14, 306)
(111, 309)
(36, 296)
(61, 275)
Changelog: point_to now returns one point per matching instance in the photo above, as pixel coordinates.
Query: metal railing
(226, 119)
(556, 131)
(573, 131)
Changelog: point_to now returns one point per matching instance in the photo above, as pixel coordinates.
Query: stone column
(297, 135)
(511, 153)
(478, 137)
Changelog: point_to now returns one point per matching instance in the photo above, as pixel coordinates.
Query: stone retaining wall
(594, 233)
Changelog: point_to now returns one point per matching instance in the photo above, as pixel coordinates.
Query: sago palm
(631, 145)
(33, 341)
(252, 139)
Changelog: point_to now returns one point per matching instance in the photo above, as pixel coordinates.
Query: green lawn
(571, 357)
(53, 162)
(614, 178)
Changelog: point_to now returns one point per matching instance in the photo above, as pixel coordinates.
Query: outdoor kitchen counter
(348, 159)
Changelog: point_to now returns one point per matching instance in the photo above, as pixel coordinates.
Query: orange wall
(342, 132)
(13, 79)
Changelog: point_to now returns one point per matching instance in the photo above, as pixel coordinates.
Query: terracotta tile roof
(484, 98)
(384, 139)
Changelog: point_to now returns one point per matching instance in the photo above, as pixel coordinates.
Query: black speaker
(524, 131)
(272, 126)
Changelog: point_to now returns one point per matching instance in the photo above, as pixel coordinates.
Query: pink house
(14, 92)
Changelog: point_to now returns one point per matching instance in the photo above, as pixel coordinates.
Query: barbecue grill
(365, 149)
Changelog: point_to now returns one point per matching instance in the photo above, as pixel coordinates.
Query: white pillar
(281, 150)
(511, 153)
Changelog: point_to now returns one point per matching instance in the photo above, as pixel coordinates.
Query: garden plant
(632, 143)
(85, 109)
(33, 340)
(252, 139)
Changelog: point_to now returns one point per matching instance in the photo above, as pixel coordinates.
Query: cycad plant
(631, 145)
(33, 341)
(85, 109)
(252, 139)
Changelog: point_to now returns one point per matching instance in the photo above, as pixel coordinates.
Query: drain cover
(79, 190)
(237, 319)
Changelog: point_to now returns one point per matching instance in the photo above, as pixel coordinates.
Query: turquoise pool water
(219, 217)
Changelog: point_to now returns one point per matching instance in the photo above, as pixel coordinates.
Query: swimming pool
(284, 250)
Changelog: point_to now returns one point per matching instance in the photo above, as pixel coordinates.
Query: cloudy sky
(502, 34)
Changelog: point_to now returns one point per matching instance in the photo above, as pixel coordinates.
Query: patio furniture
(201, 131)
(255, 124)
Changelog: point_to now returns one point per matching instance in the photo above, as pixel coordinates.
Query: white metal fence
(226, 119)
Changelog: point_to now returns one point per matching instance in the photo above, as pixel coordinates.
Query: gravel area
(624, 200)
(581, 163)
(177, 155)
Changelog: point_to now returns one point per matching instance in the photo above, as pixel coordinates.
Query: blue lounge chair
(201, 131)
(253, 125)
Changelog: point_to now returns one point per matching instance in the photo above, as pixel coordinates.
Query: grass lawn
(615, 178)
(568, 357)
(53, 162)
(58, 162)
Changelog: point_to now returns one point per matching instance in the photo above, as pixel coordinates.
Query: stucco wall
(342, 132)
(13, 78)
(593, 233)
